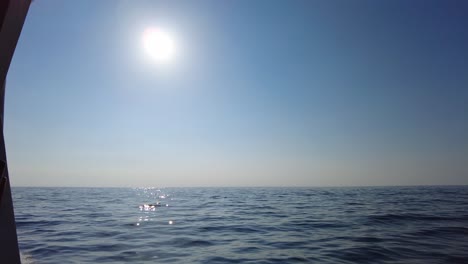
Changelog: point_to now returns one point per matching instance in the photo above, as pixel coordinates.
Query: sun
(158, 44)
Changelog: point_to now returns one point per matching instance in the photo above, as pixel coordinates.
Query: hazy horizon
(246, 187)
(257, 93)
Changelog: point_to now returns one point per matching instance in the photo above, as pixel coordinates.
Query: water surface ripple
(243, 225)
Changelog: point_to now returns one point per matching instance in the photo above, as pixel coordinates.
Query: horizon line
(256, 186)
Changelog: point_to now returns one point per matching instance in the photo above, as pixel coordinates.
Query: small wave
(288, 260)
(397, 218)
(37, 223)
(288, 244)
(225, 260)
(230, 229)
(189, 242)
(366, 239)
(365, 254)
(244, 250)
(442, 232)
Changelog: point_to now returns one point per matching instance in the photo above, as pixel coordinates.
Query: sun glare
(158, 44)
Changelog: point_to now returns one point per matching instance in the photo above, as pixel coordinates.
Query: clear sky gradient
(260, 93)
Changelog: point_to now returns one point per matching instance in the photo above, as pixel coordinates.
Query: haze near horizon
(244, 93)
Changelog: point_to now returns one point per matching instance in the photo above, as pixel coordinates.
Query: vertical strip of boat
(12, 16)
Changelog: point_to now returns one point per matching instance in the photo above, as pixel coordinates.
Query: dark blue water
(243, 225)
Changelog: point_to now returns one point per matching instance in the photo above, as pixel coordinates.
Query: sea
(422, 224)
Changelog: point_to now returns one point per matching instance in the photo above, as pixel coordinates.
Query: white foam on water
(26, 259)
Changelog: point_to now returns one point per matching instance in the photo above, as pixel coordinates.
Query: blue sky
(261, 93)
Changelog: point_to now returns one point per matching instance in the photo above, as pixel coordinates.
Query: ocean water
(243, 225)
